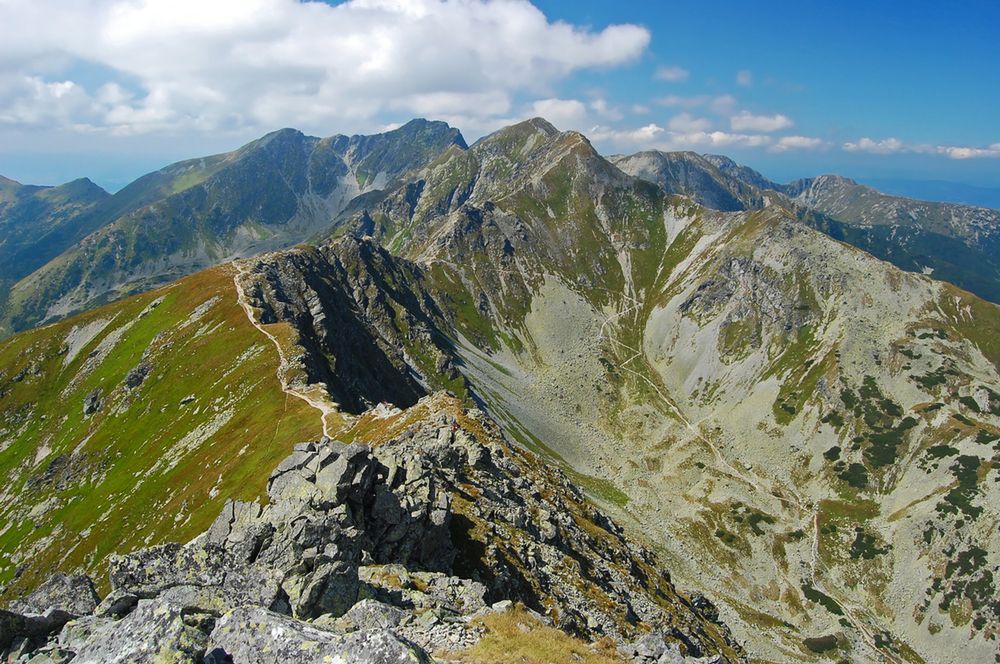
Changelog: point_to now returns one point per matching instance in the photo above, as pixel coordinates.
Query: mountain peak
(540, 124)
(519, 139)
(432, 130)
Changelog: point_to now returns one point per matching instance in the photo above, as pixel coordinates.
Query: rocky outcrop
(362, 320)
(73, 594)
(378, 554)
(252, 635)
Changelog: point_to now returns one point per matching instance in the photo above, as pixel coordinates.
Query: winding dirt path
(325, 408)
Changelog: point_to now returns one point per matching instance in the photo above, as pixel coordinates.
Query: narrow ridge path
(325, 408)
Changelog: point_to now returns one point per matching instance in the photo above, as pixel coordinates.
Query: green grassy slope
(156, 461)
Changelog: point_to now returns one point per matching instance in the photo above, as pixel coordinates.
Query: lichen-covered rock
(421, 590)
(77, 632)
(155, 632)
(252, 635)
(372, 614)
(72, 594)
(50, 655)
(117, 604)
(203, 576)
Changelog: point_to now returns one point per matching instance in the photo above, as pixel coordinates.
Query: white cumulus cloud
(140, 66)
(685, 122)
(746, 121)
(896, 146)
(885, 146)
(786, 143)
(672, 74)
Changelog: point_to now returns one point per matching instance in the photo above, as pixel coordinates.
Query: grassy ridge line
(151, 464)
(320, 401)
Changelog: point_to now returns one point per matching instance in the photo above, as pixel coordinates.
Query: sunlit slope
(187, 410)
(809, 433)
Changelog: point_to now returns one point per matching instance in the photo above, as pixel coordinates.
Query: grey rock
(372, 614)
(203, 577)
(650, 646)
(672, 655)
(252, 635)
(332, 587)
(423, 590)
(72, 594)
(154, 632)
(117, 604)
(77, 632)
(137, 375)
(51, 655)
(92, 402)
(388, 547)
(30, 631)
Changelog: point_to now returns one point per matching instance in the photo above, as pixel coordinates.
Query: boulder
(155, 631)
(206, 577)
(117, 604)
(92, 402)
(372, 614)
(252, 635)
(25, 633)
(73, 594)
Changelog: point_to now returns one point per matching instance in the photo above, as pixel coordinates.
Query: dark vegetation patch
(959, 499)
(727, 537)
(834, 418)
(967, 577)
(934, 333)
(814, 595)
(984, 437)
(970, 403)
(933, 455)
(751, 517)
(821, 644)
(937, 377)
(964, 420)
(865, 545)
(885, 444)
(855, 475)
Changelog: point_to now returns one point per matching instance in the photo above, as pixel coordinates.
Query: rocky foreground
(390, 553)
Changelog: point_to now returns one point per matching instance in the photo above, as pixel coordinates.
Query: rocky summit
(397, 552)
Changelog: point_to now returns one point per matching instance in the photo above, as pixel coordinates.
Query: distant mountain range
(737, 371)
(286, 188)
(938, 190)
(956, 243)
(274, 192)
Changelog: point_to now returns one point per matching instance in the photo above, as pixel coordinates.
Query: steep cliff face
(364, 326)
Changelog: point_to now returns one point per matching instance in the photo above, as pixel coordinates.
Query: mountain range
(786, 395)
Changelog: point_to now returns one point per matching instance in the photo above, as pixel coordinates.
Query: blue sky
(872, 90)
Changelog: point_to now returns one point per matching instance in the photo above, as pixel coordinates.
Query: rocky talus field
(523, 403)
